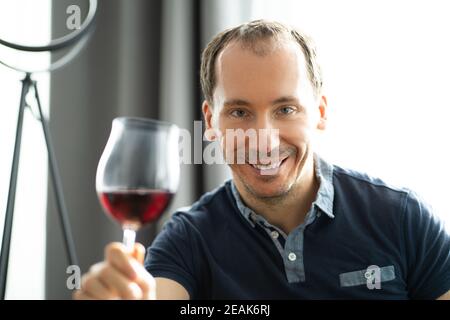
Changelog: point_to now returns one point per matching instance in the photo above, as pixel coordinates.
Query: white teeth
(266, 167)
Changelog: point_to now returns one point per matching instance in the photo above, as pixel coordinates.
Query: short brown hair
(250, 35)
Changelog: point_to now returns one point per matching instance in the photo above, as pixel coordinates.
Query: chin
(266, 183)
(273, 191)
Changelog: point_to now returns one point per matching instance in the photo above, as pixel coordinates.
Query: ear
(322, 124)
(208, 115)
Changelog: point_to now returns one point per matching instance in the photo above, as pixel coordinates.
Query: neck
(287, 211)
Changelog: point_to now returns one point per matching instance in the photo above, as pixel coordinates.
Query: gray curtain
(143, 60)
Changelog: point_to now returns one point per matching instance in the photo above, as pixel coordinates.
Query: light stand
(79, 37)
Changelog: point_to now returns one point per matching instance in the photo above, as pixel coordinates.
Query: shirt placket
(290, 247)
(293, 252)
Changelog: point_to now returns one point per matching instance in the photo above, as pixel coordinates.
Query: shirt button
(274, 234)
(292, 256)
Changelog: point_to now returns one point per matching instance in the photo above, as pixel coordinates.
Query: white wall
(27, 256)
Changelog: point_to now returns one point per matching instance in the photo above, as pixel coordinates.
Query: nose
(268, 136)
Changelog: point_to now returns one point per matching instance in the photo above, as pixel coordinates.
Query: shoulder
(359, 185)
(375, 199)
(370, 202)
(378, 190)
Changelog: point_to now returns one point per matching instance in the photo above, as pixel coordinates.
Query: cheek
(295, 133)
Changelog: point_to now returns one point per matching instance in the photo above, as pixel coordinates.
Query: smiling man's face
(267, 91)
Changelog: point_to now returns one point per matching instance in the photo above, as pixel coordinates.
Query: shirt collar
(325, 194)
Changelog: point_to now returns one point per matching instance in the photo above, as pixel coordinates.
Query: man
(307, 230)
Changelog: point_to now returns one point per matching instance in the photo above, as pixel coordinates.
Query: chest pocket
(372, 277)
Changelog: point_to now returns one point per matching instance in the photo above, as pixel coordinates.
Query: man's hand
(120, 276)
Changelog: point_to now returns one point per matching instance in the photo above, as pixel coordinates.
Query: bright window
(25, 21)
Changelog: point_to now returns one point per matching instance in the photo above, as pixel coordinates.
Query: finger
(93, 287)
(122, 286)
(145, 281)
(139, 252)
(117, 255)
(80, 295)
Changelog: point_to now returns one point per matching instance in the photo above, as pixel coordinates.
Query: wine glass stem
(129, 236)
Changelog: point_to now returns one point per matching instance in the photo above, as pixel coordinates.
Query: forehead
(244, 73)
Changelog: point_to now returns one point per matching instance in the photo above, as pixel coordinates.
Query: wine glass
(138, 172)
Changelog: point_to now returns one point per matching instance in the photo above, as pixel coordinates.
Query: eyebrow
(236, 102)
(244, 103)
(285, 99)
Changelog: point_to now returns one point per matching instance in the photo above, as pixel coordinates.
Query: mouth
(268, 169)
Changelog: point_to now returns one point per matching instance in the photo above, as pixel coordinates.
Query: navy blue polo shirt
(361, 239)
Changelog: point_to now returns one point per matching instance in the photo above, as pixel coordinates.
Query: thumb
(138, 252)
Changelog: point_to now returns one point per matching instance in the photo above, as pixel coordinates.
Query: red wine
(135, 207)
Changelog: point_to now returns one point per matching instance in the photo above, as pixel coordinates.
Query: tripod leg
(57, 185)
(7, 229)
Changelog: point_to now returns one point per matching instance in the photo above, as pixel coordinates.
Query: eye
(239, 113)
(286, 110)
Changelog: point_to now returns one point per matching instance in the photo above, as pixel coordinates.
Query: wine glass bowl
(138, 172)
(134, 208)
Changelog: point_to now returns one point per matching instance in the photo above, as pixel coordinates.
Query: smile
(268, 168)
